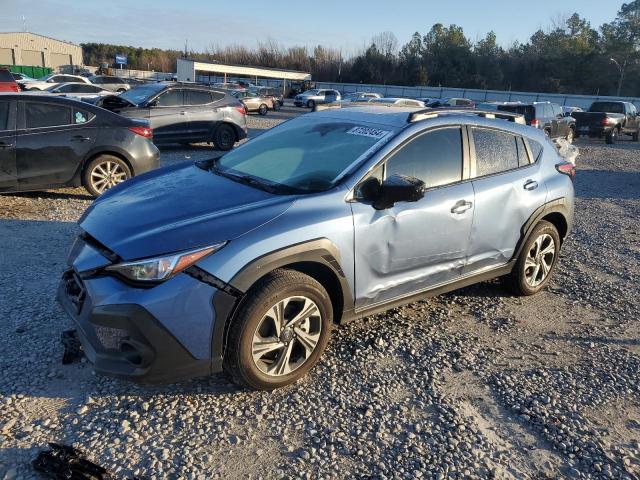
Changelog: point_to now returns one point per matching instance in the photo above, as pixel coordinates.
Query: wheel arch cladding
(559, 221)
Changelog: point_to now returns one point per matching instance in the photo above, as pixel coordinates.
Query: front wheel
(279, 332)
(311, 104)
(224, 138)
(104, 172)
(536, 262)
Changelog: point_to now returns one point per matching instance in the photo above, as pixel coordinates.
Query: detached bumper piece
(127, 341)
(64, 462)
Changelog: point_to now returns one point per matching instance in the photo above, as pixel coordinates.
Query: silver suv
(314, 97)
(107, 82)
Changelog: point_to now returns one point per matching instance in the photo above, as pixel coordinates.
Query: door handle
(530, 185)
(80, 138)
(461, 207)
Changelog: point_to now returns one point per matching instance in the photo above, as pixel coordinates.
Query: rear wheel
(104, 172)
(263, 109)
(612, 136)
(536, 262)
(224, 137)
(279, 332)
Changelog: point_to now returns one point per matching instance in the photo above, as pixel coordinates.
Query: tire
(256, 319)
(263, 109)
(224, 138)
(571, 134)
(611, 137)
(311, 104)
(276, 106)
(120, 90)
(104, 172)
(526, 278)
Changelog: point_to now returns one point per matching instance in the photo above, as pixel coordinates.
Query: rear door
(8, 176)
(169, 117)
(508, 188)
(52, 141)
(203, 114)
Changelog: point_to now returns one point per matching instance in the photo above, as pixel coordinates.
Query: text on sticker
(368, 132)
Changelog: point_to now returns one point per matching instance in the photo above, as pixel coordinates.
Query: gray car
(108, 82)
(183, 113)
(314, 97)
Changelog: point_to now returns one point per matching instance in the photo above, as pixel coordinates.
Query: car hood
(178, 208)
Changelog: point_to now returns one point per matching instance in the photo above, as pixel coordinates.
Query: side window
(172, 98)
(434, 157)
(80, 116)
(38, 115)
(4, 115)
(523, 155)
(197, 97)
(217, 96)
(495, 151)
(98, 81)
(536, 149)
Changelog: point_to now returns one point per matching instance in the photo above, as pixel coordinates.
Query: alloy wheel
(286, 336)
(106, 175)
(539, 260)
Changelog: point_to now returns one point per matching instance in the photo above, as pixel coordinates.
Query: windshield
(141, 94)
(311, 92)
(305, 154)
(527, 110)
(46, 77)
(607, 107)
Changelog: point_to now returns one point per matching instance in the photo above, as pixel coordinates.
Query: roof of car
(394, 117)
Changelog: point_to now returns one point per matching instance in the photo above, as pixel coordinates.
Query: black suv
(183, 113)
(546, 116)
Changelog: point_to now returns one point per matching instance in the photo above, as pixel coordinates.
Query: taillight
(604, 122)
(567, 168)
(145, 132)
(535, 123)
(241, 109)
(15, 87)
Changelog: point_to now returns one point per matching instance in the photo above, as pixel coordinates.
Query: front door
(414, 246)
(169, 117)
(52, 141)
(8, 176)
(508, 187)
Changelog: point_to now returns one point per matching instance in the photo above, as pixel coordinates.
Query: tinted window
(4, 115)
(536, 149)
(39, 115)
(80, 116)
(217, 96)
(198, 97)
(526, 110)
(611, 107)
(97, 80)
(495, 151)
(523, 155)
(557, 111)
(5, 76)
(434, 157)
(172, 98)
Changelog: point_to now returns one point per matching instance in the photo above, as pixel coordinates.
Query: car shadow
(606, 184)
(53, 194)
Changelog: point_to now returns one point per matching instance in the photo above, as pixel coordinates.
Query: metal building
(24, 48)
(189, 70)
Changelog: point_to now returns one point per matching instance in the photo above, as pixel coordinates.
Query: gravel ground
(472, 384)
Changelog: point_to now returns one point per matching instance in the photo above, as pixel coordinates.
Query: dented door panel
(411, 246)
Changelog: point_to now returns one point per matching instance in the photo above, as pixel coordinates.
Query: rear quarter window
(536, 149)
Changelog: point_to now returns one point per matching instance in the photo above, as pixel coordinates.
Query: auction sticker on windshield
(368, 132)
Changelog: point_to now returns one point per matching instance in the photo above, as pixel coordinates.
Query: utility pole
(622, 69)
(24, 23)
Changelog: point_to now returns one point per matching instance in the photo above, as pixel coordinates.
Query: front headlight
(158, 269)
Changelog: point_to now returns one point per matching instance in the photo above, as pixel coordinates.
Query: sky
(345, 24)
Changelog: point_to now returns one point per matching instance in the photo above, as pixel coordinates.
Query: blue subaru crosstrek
(245, 262)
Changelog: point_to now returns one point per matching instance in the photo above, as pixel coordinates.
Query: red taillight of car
(535, 123)
(242, 109)
(145, 132)
(604, 122)
(567, 168)
(15, 88)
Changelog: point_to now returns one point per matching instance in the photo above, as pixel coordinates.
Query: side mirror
(152, 103)
(397, 188)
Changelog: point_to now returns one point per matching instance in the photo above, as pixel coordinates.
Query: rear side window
(434, 157)
(495, 151)
(172, 98)
(38, 115)
(536, 149)
(523, 155)
(217, 96)
(197, 97)
(5, 76)
(4, 115)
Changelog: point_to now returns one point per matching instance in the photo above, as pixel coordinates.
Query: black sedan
(50, 142)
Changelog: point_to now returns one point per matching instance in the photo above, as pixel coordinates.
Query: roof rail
(436, 112)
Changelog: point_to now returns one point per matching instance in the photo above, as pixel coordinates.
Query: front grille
(74, 289)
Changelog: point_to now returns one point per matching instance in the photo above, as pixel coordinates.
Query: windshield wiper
(250, 180)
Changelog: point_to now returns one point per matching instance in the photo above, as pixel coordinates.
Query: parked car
(114, 84)
(398, 102)
(546, 116)
(310, 224)
(51, 79)
(314, 97)
(183, 113)
(7, 82)
(359, 97)
(608, 119)
(255, 103)
(569, 111)
(449, 102)
(17, 76)
(273, 93)
(75, 90)
(50, 142)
